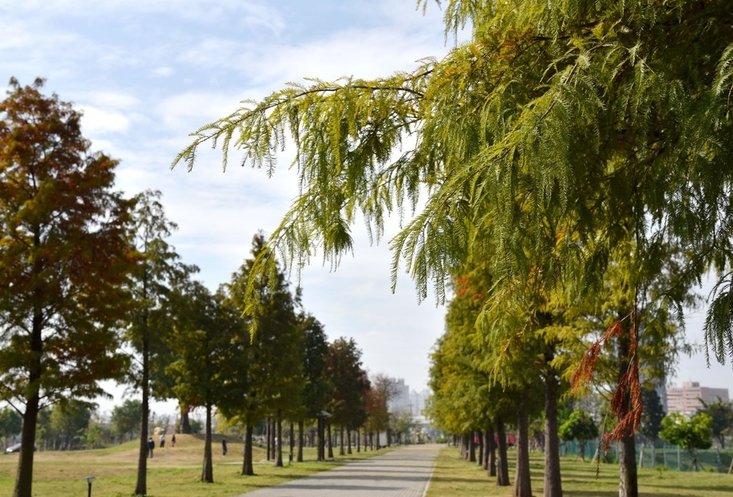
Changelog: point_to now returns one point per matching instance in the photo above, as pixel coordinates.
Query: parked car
(13, 448)
(16, 448)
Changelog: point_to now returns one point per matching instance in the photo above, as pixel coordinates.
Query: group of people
(151, 443)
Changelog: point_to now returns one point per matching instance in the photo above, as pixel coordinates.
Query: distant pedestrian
(173, 440)
(224, 446)
(151, 446)
(162, 440)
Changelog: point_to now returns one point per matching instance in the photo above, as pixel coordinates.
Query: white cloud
(97, 121)
(163, 71)
(183, 113)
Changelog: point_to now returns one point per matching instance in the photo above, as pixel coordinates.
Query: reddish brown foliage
(626, 401)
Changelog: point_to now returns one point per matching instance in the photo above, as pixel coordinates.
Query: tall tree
(65, 257)
(651, 419)
(349, 382)
(721, 416)
(69, 422)
(125, 419)
(150, 318)
(690, 434)
(208, 327)
(579, 426)
(273, 381)
(377, 404)
(316, 387)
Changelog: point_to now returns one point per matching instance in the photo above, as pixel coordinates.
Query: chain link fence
(670, 457)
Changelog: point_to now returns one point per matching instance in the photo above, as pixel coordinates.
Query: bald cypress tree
(65, 258)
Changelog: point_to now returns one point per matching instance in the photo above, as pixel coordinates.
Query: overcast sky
(146, 73)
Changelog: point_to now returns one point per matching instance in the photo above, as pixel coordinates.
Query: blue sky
(148, 72)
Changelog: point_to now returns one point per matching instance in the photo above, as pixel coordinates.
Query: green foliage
(151, 319)
(10, 424)
(125, 419)
(349, 383)
(721, 414)
(68, 425)
(580, 425)
(315, 350)
(376, 404)
(651, 419)
(271, 379)
(208, 328)
(690, 434)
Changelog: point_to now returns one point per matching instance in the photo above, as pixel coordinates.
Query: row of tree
(572, 164)
(91, 289)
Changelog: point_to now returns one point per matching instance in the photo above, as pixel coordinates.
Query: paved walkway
(403, 472)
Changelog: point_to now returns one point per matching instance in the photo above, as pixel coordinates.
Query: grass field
(456, 477)
(173, 472)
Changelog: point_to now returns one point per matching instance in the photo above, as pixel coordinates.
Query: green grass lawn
(173, 472)
(456, 477)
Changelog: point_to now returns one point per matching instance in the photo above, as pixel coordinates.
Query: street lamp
(89, 480)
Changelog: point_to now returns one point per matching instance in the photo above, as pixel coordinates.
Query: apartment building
(687, 398)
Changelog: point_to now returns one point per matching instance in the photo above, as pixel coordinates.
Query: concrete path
(403, 472)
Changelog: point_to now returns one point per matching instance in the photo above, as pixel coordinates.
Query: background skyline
(148, 73)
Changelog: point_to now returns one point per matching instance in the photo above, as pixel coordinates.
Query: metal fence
(669, 457)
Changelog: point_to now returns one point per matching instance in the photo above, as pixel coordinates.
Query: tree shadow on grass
(590, 493)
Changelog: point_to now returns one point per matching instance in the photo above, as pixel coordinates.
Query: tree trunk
(301, 441)
(522, 482)
(268, 436)
(628, 484)
(552, 478)
(207, 472)
(279, 440)
(502, 472)
(142, 460)
(185, 419)
(330, 441)
(491, 453)
(321, 440)
(348, 441)
(24, 475)
(247, 466)
(292, 442)
(480, 456)
(342, 450)
(472, 446)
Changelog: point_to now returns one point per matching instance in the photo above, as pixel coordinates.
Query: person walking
(151, 446)
(224, 446)
(173, 439)
(162, 440)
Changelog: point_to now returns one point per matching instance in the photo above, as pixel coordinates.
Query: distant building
(400, 400)
(687, 398)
